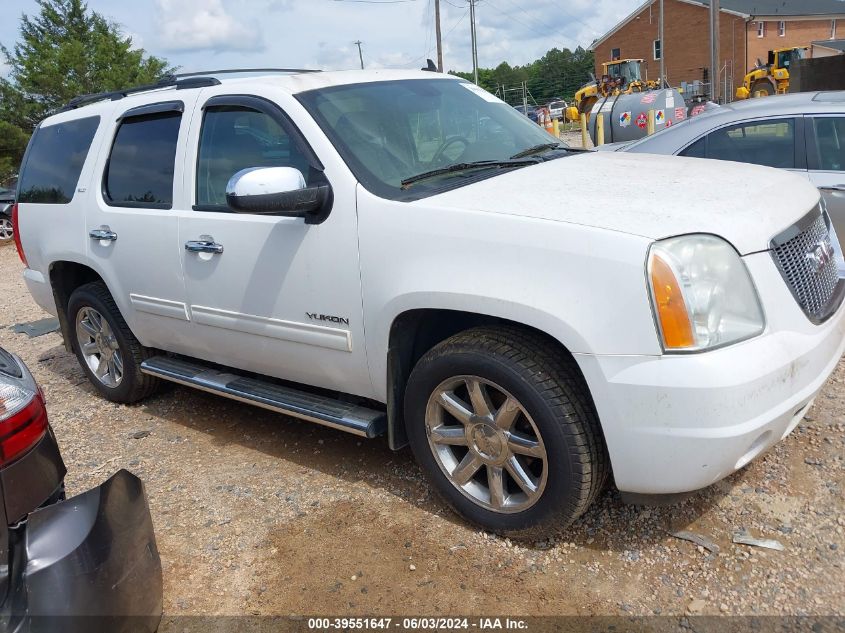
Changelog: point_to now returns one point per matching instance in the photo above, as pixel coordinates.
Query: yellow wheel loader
(771, 78)
(622, 76)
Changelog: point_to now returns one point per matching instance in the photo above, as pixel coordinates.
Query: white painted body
(560, 247)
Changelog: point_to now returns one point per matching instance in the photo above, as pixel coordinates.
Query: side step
(300, 404)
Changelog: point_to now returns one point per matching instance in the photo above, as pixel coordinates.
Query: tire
(762, 89)
(553, 424)
(110, 339)
(6, 232)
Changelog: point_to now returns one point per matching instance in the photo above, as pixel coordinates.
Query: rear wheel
(506, 431)
(107, 350)
(762, 89)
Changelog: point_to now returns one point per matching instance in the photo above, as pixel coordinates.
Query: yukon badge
(820, 255)
(327, 317)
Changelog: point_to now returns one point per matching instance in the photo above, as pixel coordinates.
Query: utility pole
(439, 40)
(360, 54)
(714, 50)
(474, 43)
(662, 49)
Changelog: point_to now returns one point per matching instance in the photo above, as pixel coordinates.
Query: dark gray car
(804, 133)
(89, 563)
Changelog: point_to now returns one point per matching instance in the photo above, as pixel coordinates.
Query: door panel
(282, 298)
(133, 229)
(832, 187)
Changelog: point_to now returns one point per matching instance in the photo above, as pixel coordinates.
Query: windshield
(389, 131)
(557, 105)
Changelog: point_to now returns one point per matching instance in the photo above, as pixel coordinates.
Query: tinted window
(696, 150)
(235, 138)
(830, 143)
(770, 143)
(54, 161)
(140, 168)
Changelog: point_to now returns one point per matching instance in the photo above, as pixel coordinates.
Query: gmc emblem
(820, 255)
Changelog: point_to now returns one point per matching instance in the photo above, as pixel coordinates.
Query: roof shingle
(786, 8)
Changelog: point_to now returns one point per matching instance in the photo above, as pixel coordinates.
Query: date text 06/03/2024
(416, 623)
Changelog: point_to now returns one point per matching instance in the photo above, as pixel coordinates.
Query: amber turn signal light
(671, 309)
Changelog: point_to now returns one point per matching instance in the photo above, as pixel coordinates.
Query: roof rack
(228, 71)
(180, 81)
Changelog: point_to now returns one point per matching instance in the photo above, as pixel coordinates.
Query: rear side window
(696, 150)
(829, 134)
(770, 143)
(54, 161)
(143, 157)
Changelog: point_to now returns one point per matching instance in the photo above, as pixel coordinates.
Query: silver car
(557, 109)
(804, 133)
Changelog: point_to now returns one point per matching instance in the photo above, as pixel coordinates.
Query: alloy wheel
(486, 444)
(6, 231)
(99, 346)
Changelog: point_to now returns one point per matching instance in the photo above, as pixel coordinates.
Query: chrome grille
(807, 268)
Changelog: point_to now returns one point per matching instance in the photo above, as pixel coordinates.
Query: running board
(324, 410)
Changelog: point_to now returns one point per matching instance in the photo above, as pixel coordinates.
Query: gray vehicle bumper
(91, 564)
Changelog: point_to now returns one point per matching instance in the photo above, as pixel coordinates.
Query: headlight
(702, 294)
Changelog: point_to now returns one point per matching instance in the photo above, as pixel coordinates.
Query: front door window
(235, 138)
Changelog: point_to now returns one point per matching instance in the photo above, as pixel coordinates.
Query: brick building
(748, 29)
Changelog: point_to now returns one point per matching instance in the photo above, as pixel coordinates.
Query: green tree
(559, 73)
(63, 51)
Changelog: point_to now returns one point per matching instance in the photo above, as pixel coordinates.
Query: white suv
(403, 253)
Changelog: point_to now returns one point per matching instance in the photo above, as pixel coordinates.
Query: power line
(525, 24)
(446, 35)
(428, 26)
(562, 10)
(375, 1)
(456, 25)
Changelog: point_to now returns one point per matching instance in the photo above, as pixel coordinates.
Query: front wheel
(506, 431)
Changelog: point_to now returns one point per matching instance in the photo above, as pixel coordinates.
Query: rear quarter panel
(55, 232)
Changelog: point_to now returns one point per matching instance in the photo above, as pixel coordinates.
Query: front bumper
(90, 564)
(678, 423)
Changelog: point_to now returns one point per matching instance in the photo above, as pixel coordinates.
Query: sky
(210, 34)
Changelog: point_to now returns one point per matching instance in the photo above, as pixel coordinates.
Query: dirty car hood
(647, 195)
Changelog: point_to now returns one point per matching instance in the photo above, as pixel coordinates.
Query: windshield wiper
(458, 167)
(537, 149)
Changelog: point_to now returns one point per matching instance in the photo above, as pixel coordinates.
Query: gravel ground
(573, 139)
(256, 513)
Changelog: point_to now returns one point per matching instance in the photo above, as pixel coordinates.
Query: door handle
(203, 246)
(833, 188)
(102, 234)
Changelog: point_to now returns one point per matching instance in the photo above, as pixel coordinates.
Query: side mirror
(278, 191)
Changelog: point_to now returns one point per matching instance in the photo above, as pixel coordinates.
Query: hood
(647, 195)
